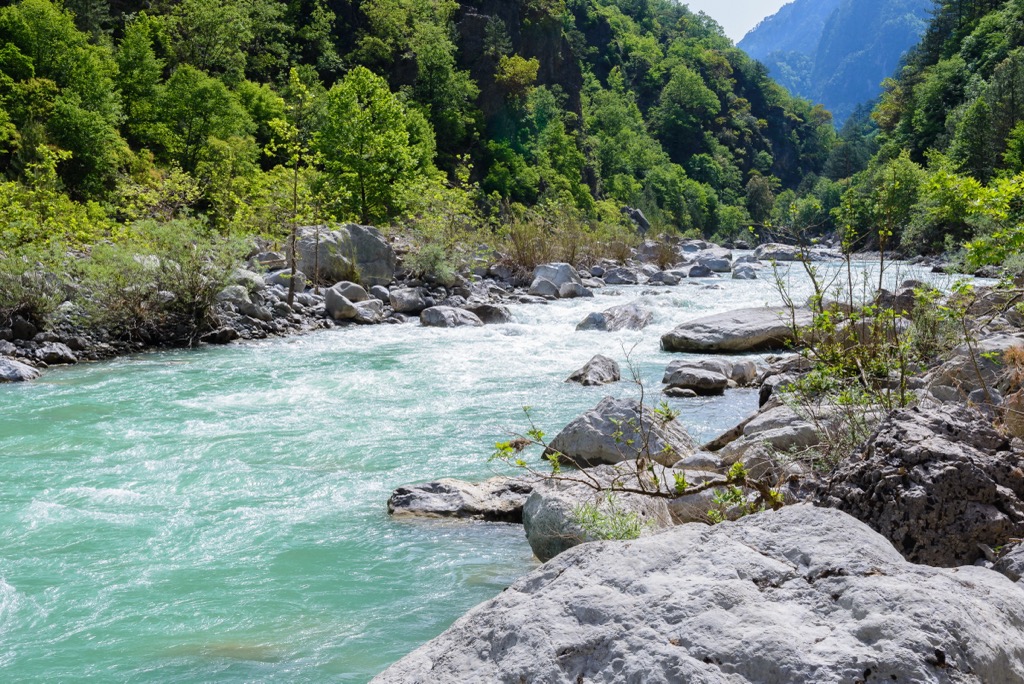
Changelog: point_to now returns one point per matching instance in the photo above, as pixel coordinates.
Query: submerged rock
(614, 431)
(799, 595)
(499, 499)
(742, 330)
(600, 370)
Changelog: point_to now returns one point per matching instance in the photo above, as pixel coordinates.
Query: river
(219, 514)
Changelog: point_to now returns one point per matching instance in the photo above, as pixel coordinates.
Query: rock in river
(630, 316)
(591, 439)
(600, 370)
(448, 317)
(800, 595)
(16, 371)
(742, 330)
(499, 499)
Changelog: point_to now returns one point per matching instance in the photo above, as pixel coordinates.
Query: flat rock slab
(742, 330)
(800, 595)
(499, 499)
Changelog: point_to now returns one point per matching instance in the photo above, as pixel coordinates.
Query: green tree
(373, 147)
(686, 103)
(139, 72)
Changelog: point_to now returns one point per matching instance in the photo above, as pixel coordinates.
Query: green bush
(28, 286)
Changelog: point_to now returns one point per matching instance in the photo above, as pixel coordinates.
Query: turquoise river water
(219, 514)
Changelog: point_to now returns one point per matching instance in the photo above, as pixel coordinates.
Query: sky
(737, 16)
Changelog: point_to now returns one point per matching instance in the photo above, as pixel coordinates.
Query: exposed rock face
(551, 513)
(758, 329)
(799, 595)
(351, 252)
(499, 499)
(448, 317)
(630, 316)
(16, 371)
(590, 439)
(600, 370)
(936, 482)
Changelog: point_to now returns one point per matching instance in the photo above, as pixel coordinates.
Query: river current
(219, 514)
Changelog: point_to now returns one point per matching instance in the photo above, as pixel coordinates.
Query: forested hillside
(837, 52)
(951, 139)
(250, 114)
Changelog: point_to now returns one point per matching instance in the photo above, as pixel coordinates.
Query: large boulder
(499, 499)
(703, 381)
(338, 306)
(799, 595)
(408, 300)
(448, 317)
(936, 482)
(350, 252)
(492, 314)
(630, 316)
(558, 274)
(742, 330)
(353, 292)
(555, 515)
(773, 251)
(600, 370)
(621, 276)
(542, 287)
(614, 431)
(16, 371)
(56, 353)
(972, 367)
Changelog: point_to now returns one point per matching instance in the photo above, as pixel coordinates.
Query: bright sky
(737, 16)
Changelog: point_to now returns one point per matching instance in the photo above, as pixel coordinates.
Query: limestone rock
(16, 371)
(590, 440)
(936, 482)
(499, 499)
(742, 330)
(630, 316)
(551, 513)
(799, 595)
(448, 317)
(600, 370)
(351, 252)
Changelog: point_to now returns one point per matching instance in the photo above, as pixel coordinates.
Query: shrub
(28, 286)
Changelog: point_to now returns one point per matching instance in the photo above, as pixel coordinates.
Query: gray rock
(799, 595)
(740, 371)
(499, 499)
(936, 482)
(56, 353)
(408, 300)
(590, 440)
(380, 292)
(663, 278)
(352, 292)
(369, 312)
(716, 259)
(448, 317)
(600, 370)
(744, 272)
(573, 290)
(775, 252)
(542, 287)
(558, 274)
(621, 276)
(700, 380)
(235, 294)
(680, 393)
(338, 306)
(22, 329)
(352, 252)
(284, 276)
(700, 271)
(223, 335)
(551, 515)
(960, 373)
(743, 330)
(630, 316)
(250, 280)
(1011, 563)
(492, 314)
(16, 371)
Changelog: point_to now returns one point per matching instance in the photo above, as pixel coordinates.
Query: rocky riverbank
(360, 280)
(916, 524)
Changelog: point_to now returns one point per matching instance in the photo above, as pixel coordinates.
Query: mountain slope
(839, 60)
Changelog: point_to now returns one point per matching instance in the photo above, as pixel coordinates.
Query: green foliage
(373, 147)
(29, 286)
(159, 282)
(607, 520)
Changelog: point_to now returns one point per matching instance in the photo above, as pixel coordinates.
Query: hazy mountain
(837, 52)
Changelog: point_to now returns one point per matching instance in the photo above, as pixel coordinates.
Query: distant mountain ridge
(837, 52)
